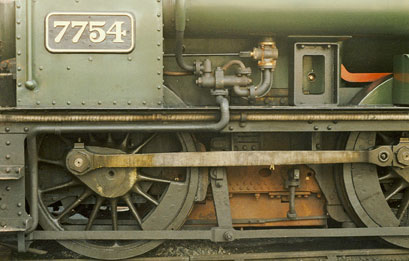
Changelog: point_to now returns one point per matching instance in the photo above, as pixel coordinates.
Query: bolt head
(78, 162)
(228, 236)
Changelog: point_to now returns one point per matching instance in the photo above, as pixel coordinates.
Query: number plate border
(90, 50)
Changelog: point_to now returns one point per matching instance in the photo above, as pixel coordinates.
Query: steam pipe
(60, 129)
(256, 91)
(180, 25)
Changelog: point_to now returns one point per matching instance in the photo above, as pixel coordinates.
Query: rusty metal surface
(258, 195)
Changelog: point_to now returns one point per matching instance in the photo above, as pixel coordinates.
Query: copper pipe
(232, 62)
(184, 117)
(177, 73)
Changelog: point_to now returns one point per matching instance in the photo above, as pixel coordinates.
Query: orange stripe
(361, 77)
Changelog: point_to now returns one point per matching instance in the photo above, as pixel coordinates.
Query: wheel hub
(106, 182)
(110, 183)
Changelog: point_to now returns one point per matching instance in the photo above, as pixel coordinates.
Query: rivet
(17, 171)
(159, 73)
(41, 68)
(7, 129)
(53, 102)
(158, 58)
(68, 103)
(3, 224)
(38, 102)
(26, 129)
(316, 128)
(8, 170)
(114, 102)
(19, 84)
(129, 102)
(18, 21)
(18, 37)
(18, 5)
(144, 102)
(159, 102)
(90, 59)
(68, 68)
(3, 206)
(231, 128)
(19, 204)
(158, 1)
(8, 188)
(19, 68)
(159, 87)
(129, 58)
(329, 127)
(83, 102)
(158, 15)
(8, 143)
(19, 213)
(159, 44)
(8, 157)
(158, 29)
(19, 53)
(99, 102)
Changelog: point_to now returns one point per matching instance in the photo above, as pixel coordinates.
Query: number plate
(89, 32)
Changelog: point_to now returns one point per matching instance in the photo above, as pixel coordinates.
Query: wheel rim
(160, 200)
(378, 197)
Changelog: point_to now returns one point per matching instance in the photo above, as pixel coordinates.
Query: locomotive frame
(158, 146)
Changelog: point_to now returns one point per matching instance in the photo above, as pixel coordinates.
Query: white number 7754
(96, 32)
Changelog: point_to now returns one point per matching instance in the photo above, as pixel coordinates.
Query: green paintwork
(7, 30)
(260, 17)
(382, 94)
(99, 80)
(401, 80)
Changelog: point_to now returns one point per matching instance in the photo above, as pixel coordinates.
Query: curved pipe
(179, 52)
(257, 90)
(234, 62)
(92, 127)
(180, 26)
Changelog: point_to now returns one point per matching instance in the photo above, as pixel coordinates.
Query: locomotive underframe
(28, 129)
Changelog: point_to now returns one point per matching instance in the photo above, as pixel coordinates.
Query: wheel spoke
(387, 139)
(94, 212)
(131, 206)
(114, 213)
(395, 189)
(65, 140)
(68, 184)
(404, 204)
(144, 144)
(52, 162)
(80, 199)
(146, 178)
(389, 175)
(110, 140)
(138, 190)
(124, 144)
(92, 139)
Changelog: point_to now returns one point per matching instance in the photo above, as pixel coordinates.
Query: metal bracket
(221, 199)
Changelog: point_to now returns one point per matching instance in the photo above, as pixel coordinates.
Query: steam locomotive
(127, 123)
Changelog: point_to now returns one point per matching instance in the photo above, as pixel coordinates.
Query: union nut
(403, 156)
(78, 162)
